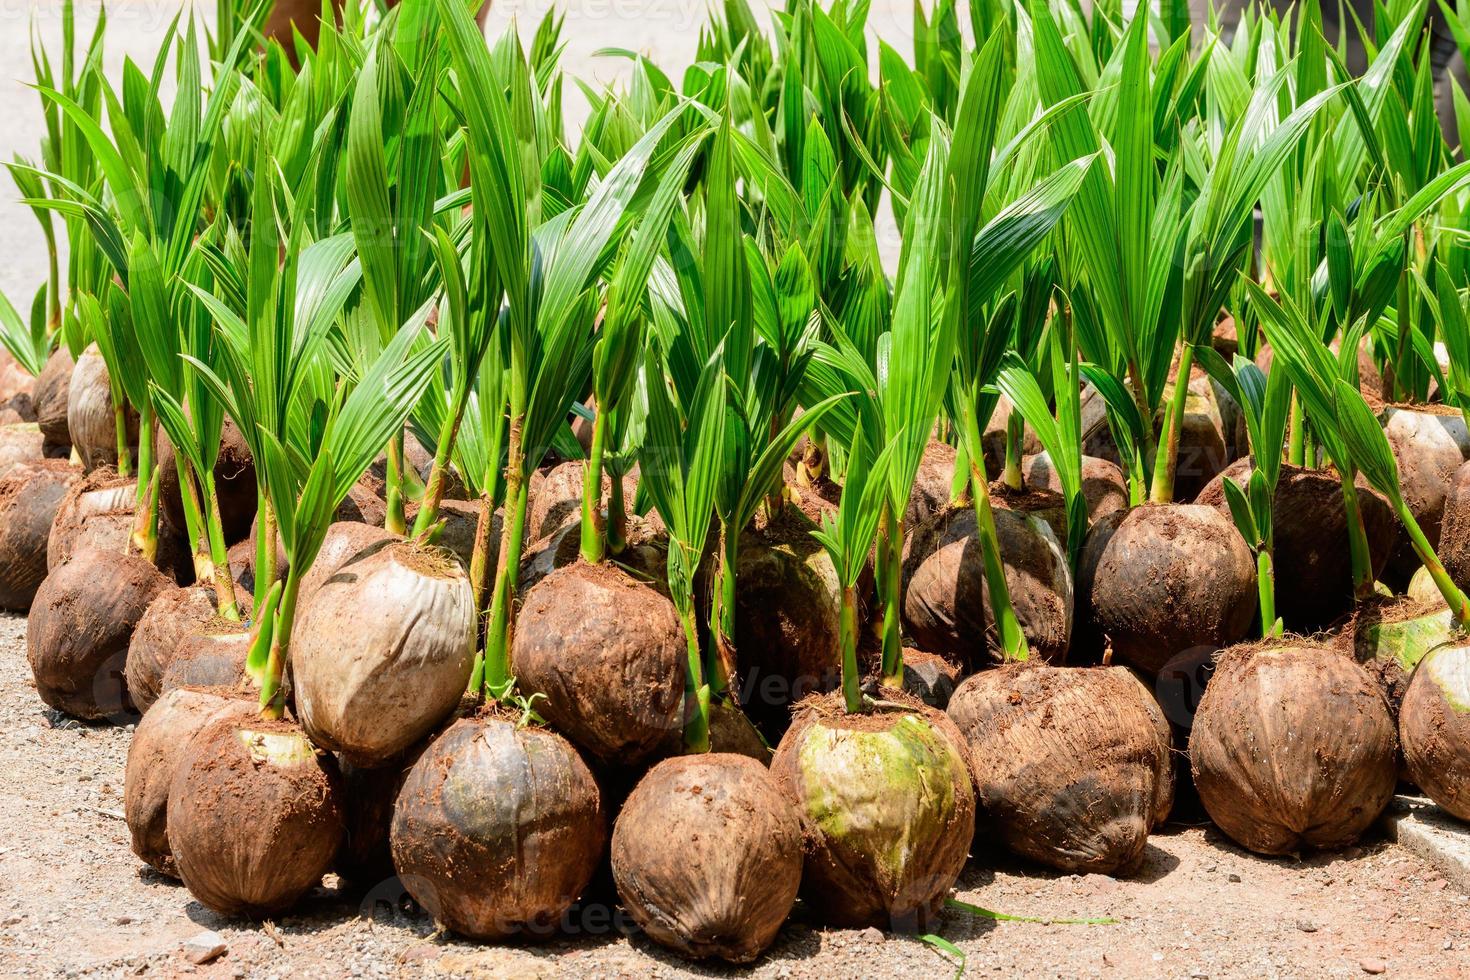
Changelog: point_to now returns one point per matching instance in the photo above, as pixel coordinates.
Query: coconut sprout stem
(480, 554)
(594, 528)
(1167, 460)
(272, 697)
(696, 691)
(1296, 450)
(617, 517)
(722, 666)
(434, 488)
(1266, 588)
(1362, 559)
(265, 552)
(1015, 431)
(502, 602)
(1013, 640)
(847, 627)
(194, 519)
(1454, 598)
(890, 572)
(219, 553)
(394, 521)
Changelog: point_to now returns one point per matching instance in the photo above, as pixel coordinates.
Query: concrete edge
(1426, 830)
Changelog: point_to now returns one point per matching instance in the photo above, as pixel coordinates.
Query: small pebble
(1373, 966)
(1306, 925)
(206, 947)
(1234, 878)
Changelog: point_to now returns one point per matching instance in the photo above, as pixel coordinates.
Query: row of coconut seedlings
(627, 295)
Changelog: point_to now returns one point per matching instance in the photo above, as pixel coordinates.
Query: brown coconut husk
(367, 799)
(253, 816)
(383, 651)
(1162, 579)
(29, 499)
(558, 498)
(933, 483)
(864, 782)
(20, 444)
(993, 439)
(1313, 560)
(234, 483)
(1454, 530)
(728, 886)
(158, 746)
(214, 656)
(1434, 726)
(345, 542)
(537, 835)
(1293, 748)
(1072, 766)
(1104, 487)
(49, 401)
(99, 513)
(608, 652)
(787, 604)
(89, 413)
(459, 519)
(946, 600)
(173, 615)
(927, 676)
(79, 627)
(1430, 443)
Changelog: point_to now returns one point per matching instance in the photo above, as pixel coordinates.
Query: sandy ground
(75, 902)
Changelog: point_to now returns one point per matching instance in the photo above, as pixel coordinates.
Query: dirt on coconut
(74, 901)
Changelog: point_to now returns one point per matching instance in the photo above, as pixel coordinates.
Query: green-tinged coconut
(1072, 765)
(946, 601)
(787, 604)
(1422, 589)
(1454, 530)
(159, 744)
(253, 816)
(236, 490)
(1293, 748)
(174, 614)
(20, 444)
(1162, 579)
(1104, 487)
(609, 654)
(498, 829)
(89, 412)
(888, 806)
(1434, 727)
(80, 624)
(728, 881)
(50, 398)
(1389, 638)
(382, 652)
(30, 496)
(1313, 559)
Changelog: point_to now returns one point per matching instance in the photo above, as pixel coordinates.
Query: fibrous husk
(498, 829)
(354, 528)
(558, 498)
(646, 552)
(929, 677)
(29, 499)
(89, 413)
(1431, 444)
(367, 799)
(1163, 579)
(1312, 555)
(728, 884)
(1293, 748)
(946, 601)
(214, 656)
(1454, 530)
(344, 542)
(888, 808)
(382, 652)
(609, 654)
(1208, 439)
(1434, 727)
(20, 444)
(234, 482)
(787, 603)
(99, 513)
(459, 519)
(81, 621)
(933, 483)
(1072, 765)
(253, 816)
(1104, 487)
(174, 614)
(50, 399)
(159, 744)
